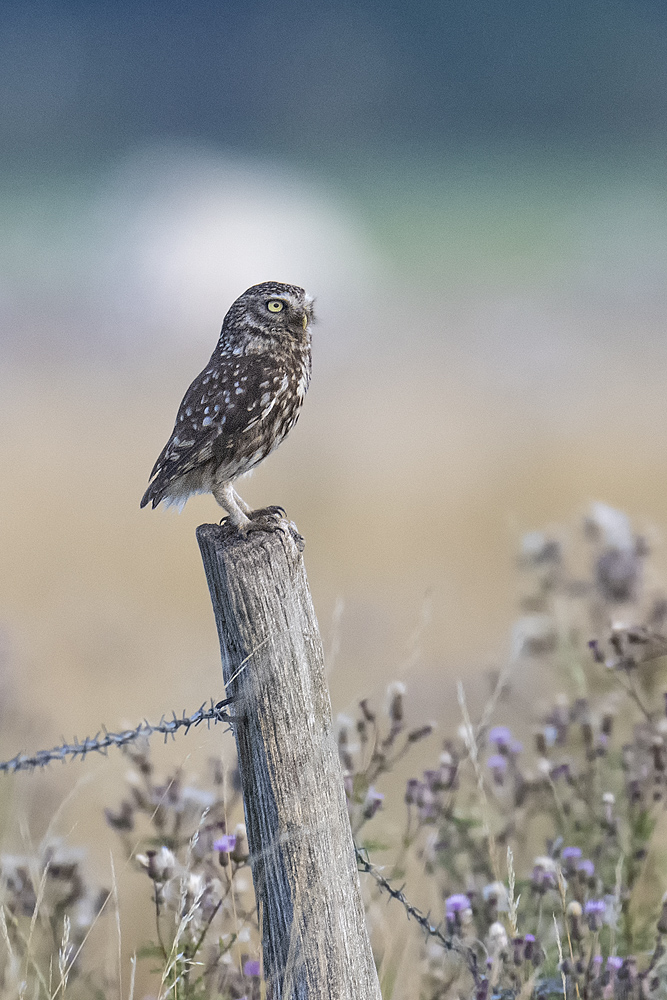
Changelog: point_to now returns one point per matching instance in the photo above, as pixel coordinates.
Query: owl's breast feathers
(235, 412)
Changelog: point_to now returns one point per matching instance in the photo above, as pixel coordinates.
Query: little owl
(243, 404)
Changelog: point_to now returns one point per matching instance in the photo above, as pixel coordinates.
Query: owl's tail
(154, 493)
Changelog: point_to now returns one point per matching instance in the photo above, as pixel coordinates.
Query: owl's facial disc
(291, 311)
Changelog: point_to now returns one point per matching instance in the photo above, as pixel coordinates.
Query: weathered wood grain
(315, 941)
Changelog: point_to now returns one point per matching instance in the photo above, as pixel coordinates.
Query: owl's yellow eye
(275, 305)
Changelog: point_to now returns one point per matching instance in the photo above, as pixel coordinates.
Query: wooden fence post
(315, 942)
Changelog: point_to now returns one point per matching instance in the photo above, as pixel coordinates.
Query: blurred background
(474, 193)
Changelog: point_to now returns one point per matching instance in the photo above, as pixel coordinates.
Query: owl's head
(272, 310)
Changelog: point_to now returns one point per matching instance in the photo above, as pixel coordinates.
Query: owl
(242, 405)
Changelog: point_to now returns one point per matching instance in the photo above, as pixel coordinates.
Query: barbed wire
(215, 713)
(103, 739)
(422, 919)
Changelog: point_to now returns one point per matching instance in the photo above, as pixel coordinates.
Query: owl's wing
(178, 457)
(224, 400)
(184, 451)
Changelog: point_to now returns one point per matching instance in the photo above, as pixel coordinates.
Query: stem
(629, 688)
(157, 923)
(204, 932)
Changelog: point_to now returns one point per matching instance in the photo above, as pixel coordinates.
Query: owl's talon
(271, 521)
(274, 509)
(266, 521)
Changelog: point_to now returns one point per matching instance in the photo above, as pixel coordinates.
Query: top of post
(228, 539)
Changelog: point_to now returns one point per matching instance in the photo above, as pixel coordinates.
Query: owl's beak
(305, 320)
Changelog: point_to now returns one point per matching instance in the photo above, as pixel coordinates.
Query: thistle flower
(496, 939)
(225, 844)
(159, 865)
(457, 903)
(426, 803)
(586, 868)
(594, 911)
(569, 857)
(545, 874)
(373, 802)
(448, 770)
(501, 736)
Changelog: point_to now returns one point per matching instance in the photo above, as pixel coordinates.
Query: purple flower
(543, 880)
(225, 844)
(529, 947)
(501, 736)
(571, 853)
(456, 904)
(545, 874)
(586, 867)
(614, 963)
(595, 910)
(373, 802)
(251, 968)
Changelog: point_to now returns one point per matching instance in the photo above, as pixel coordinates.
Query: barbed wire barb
(101, 743)
(424, 920)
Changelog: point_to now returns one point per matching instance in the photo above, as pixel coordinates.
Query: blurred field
(489, 357)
